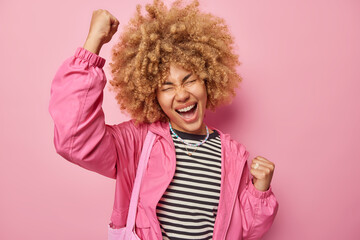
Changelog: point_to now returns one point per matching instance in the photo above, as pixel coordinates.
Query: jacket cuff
(90, 57)
(257, 193)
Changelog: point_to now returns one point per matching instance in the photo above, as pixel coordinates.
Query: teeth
(186, 109)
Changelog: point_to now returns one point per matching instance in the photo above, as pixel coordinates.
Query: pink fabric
(82, 137)
(121, 234)
(128, 232)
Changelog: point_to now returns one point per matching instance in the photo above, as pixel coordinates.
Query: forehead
(177, 73)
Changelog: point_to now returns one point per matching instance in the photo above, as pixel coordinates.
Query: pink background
(298, 106)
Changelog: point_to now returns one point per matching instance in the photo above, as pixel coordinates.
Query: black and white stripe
(188, 208)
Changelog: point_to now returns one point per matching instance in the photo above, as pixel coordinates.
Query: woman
(168, 68)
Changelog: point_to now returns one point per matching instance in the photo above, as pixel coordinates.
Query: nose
(182, 95)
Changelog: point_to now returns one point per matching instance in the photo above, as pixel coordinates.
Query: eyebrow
(184, 79)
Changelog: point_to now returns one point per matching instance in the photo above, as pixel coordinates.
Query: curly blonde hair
(198, 42)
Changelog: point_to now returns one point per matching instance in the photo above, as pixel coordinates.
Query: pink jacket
(82, 137)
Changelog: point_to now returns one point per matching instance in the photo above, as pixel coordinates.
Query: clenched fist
(262, 170)
(102, 27)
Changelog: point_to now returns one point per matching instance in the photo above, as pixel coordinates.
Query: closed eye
(191, 81)
(165, 89)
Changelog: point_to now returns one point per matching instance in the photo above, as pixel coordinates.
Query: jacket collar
(160, 128)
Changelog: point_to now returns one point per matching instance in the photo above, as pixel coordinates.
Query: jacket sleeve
(259, 208)
(80, 133)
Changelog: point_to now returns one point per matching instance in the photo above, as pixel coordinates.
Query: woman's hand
(102, 27)
(262, 171)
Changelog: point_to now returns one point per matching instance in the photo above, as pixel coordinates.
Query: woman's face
(183, 99)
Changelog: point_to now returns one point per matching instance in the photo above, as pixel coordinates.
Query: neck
(200, 131)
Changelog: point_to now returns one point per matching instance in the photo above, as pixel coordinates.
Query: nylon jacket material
(82, 137)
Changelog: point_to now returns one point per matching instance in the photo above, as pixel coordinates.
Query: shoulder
(129, 131)
(231, 145)
(131, 125)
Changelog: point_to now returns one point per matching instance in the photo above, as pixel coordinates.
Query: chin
(194, 128)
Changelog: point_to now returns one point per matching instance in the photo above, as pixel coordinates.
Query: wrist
(93, 45)
(257, 193)
(261, 187)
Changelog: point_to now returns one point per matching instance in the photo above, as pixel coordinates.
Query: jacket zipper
(233, 200)
(174, 155)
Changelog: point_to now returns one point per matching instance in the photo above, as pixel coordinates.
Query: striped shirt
(188, 208)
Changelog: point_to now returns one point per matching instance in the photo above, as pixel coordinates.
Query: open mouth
(187, 112)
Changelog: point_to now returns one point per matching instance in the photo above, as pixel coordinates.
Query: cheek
(203, 95)
(163, 102)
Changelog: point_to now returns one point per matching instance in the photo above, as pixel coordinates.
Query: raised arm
(80, 133)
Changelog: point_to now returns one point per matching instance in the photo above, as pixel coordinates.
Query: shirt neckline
(185, 135)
